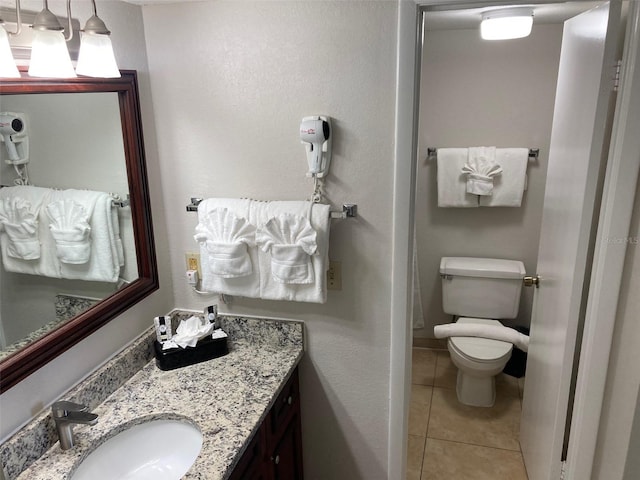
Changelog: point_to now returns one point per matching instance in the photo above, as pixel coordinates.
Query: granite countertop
(227, 398)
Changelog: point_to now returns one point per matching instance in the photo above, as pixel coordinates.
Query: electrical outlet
(193, 262)
(334, 276)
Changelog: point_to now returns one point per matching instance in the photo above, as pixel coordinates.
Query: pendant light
(96, 58)
(49, 53)
(8, 67)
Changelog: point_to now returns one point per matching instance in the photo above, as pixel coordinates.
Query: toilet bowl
(478, 361)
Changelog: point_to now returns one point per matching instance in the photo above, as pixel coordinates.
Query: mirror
(84, 134)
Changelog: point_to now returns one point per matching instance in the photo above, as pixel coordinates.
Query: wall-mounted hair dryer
(13, 131)
(315, 133)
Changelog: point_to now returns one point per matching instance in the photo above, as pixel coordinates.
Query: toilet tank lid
(481, 267)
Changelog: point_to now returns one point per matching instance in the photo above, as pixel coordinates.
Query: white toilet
(480, 291)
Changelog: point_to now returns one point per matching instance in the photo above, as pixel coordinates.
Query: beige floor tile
(447, 374)
(445, 460)
(415, 452)
(419, 409)
(423, 366)
(446, 371)
(497, 426)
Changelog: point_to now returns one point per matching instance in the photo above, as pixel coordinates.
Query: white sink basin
(156, 450)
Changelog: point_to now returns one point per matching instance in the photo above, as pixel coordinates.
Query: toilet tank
(481, 287)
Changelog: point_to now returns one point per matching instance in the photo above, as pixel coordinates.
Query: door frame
(608, 263)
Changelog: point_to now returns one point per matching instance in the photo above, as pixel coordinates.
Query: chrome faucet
(65, 415)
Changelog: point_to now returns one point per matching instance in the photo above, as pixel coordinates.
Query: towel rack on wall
(533, 153)
(117, 200)
(349, 210)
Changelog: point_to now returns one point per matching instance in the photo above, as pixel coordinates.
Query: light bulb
(50, 56)
(8, 67)
(96, 58)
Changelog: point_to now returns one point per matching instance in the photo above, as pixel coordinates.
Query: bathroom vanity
(245, 404)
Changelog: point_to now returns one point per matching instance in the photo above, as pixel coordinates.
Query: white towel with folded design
(103, 264)
(508, 188)
(228, 255)
(226, 238)
(46, 263)
(290, 240)
(452, 183)
(288, 262)
(481, 168)
(70, 230)
(19, 220)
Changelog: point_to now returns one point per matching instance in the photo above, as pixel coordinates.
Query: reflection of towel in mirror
(40, 261)
(71, 231)
(20, 222)
(481, 168)
(103, 264)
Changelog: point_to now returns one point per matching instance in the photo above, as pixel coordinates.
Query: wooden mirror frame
(26, 361)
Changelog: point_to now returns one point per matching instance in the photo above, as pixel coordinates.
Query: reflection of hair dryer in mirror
(13, 130)
(315, 133)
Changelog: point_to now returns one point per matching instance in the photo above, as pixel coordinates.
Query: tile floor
(448, 440)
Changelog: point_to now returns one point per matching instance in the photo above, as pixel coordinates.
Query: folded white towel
(229, 266)
(493, 332)
(71, 231)
(508, 188)
(272, 288)
(290, 240)
(226, 238)
(452, 183)
(20, 222)
(480, 168)
(46, 264)
(103, 264)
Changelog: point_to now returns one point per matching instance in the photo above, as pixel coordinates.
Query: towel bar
(349, 210)
(533, 153)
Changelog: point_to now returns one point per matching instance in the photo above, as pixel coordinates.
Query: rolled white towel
(493, 332)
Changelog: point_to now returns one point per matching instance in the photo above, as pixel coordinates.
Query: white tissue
(188, 333)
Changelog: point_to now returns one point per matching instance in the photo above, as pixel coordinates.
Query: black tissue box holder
(206, 349)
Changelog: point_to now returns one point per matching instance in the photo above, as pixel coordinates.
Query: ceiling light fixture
(49, 53)
(505, 24)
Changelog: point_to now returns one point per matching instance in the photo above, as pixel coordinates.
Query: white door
(583, 96)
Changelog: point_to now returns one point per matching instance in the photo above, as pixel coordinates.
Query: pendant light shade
(8, 67)
(96, 58)
(49, 55)
(506, 24)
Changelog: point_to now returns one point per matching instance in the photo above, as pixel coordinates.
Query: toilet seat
(481, 350)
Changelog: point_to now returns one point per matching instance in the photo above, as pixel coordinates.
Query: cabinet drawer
(287, 402)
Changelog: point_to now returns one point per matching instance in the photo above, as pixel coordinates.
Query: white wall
(27, 398)
(473, 93)
(616, 436)
(231, 82)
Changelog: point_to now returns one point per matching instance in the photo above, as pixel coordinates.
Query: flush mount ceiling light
(506, 24)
